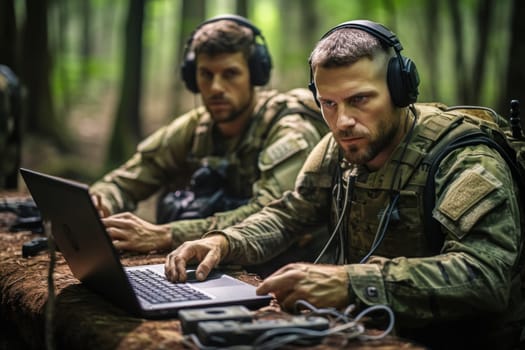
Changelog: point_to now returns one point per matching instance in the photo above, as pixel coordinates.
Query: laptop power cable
(50, 305)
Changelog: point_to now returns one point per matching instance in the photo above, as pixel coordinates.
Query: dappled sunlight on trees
(94, 86)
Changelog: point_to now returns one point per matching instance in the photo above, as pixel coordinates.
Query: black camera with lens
(205, 196)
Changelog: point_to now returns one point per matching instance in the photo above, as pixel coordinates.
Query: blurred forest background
(97, 76)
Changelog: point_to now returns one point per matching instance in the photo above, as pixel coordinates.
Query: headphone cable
(351, 182)
(394, 198)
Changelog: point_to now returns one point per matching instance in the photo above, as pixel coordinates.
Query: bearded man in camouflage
(258, 139)
(366, 179)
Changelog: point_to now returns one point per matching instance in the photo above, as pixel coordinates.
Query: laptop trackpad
(192, 278)
(221, 280)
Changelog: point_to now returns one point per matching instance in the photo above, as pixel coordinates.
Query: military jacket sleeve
(477, 208)
(283, 153)
(270, 231)
(159, 158)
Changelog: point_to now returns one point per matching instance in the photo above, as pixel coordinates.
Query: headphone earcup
(313, 89)
(260, 64)
(188, 73)
(403, 81)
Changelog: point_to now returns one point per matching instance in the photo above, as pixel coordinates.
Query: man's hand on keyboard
(155, 289)
(209, 251)
(130, 232)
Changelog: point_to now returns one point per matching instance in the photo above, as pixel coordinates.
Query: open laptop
(87, 248)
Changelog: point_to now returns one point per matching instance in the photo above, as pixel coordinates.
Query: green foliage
(95, 79)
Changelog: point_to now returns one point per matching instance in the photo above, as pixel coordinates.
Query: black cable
(383, 225)
(350, 329)
(344, 325)
(394, 195)
(343, 230)
(352, 178)
(50, 304)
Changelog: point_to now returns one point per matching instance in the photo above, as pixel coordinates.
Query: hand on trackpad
(191, 276)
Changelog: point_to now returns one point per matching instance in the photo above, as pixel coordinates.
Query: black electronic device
(28, 216)
(34, 247)
(190, 318)
(402, 75)
(227, 333)
(260, 62)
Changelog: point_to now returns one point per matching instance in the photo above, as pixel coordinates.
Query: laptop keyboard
(156, 289)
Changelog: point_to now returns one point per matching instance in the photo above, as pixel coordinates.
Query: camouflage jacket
(267, 158)
(474, 277)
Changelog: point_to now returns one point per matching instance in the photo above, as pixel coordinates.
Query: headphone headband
(234, 18)
(379, 31)
(402, 75)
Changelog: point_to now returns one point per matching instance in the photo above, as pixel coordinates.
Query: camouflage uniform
(471, 287)
(265, 160)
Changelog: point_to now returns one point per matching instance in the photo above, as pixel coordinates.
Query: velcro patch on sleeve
(464, 193)
(281, 150)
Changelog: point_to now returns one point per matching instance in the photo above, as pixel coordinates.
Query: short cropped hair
(344, 47)
(224, 36)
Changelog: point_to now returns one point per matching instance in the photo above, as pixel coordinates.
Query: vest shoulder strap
(469, 126)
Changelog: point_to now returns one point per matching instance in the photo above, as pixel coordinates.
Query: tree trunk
(10, 99)
(61, 49)
(242, 8)
(294, 48)
(35, 74)
(127, 127)
(483, 21)
(309, 33)
(8, 47)
(515, 86)
(430, 41)
(85, 48)
(459, 60)
(193, 13)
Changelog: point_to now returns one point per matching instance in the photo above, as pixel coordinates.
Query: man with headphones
(245, 145)
(366, 180)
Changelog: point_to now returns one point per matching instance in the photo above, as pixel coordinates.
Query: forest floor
(89, 127)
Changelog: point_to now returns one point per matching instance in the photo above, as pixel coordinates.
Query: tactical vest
(372, 192)
(241, 166)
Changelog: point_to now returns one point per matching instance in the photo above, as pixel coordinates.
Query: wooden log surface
(82, 319)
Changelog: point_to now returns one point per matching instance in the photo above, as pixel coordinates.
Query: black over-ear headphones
(402, 76)
(260, 62)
